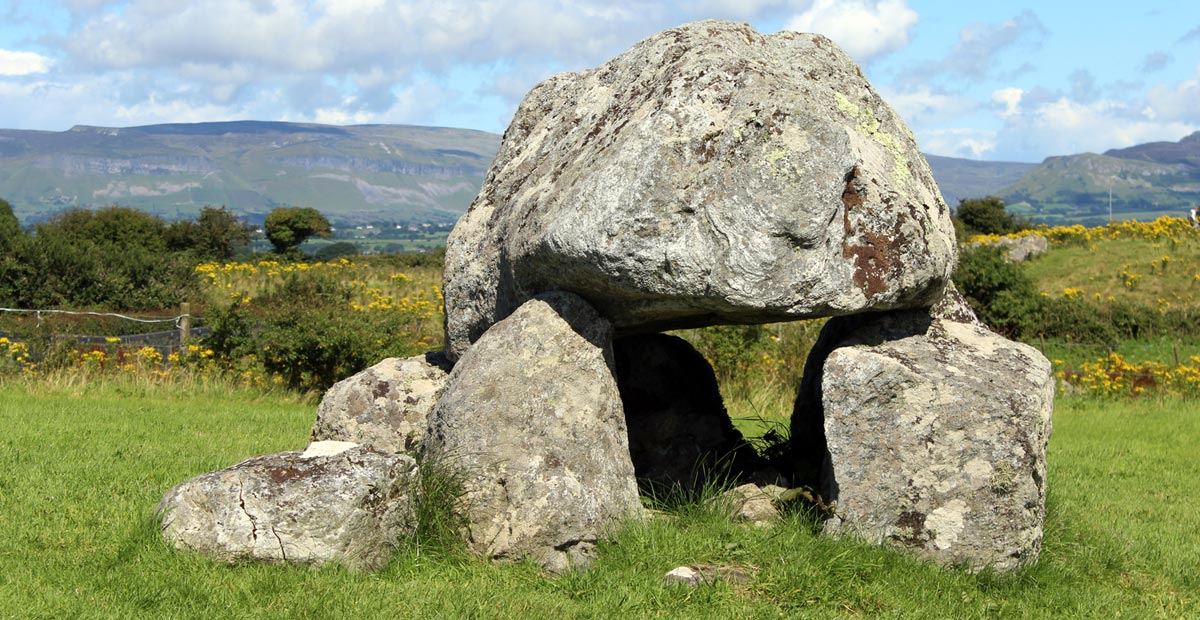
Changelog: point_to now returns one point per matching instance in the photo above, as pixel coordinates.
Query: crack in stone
(253, 521)
(280, 541)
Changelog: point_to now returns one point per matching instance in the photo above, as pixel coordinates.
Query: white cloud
(923, 105)
(734, 9)
(980, 49)
(1011, 99)
(1064, 126)
(865, 28)
(959, 142)
(22, 63)
(1176, 102)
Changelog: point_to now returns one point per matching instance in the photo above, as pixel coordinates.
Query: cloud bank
(468, 63)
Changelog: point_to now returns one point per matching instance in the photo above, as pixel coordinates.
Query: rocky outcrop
(334, 502)
(532, 420)
(1020, 249)
(386, 406)
(929, 432)
(708, 175)
(679, 431)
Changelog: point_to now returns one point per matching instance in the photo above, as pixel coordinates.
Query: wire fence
(165, 342)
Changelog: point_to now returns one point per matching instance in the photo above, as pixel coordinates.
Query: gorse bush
(1101, 285)
(114, 258)
(313, 324)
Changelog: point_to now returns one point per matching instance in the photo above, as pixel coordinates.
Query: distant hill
(352, 174)
(969, 178)
(1146, 181)
(398, 173)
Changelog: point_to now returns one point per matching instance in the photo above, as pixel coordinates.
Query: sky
(1004, 80)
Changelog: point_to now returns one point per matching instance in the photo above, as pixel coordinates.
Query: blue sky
(1001, 80)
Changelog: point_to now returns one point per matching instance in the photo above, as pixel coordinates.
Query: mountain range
(351, 174)
(400, 173)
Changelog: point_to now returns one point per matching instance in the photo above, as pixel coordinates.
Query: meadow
(95, 437)
(83, 465)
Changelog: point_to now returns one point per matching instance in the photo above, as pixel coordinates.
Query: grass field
(1151, 273)
(81, 468)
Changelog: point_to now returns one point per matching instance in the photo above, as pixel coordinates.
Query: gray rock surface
(532, 420)
(708, 175)
(931, 433)
(335, 502)
(1024, 248)
(679, 431)
(696, 575)
(754, 504)
(1020, 249)
(386, 406)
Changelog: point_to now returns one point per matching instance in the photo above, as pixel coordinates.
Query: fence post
(185, 323)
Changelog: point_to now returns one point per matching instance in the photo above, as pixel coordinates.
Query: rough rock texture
(934, 434)
(708, 175)
(697, 575)
(679, 431)
(1021, 249)
(386, 406)
(532, 419)
(754, 504)
(335, 502)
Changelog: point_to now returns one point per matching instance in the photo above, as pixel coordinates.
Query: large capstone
(386, 406)
(532, 421)
(708, 175)
(926, 430)
(334, 502)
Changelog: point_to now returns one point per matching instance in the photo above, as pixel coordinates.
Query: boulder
(679, 431)
(386, 406)
(708, 175)
(532, 421)
(1020, 249)
(928, 431)
(335, 502)
(754, 504)
(696, 575)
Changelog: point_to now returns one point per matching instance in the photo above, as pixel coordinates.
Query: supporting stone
(930, 432)
(532, 419)
(386, 406)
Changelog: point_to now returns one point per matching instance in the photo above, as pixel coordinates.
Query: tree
(10, 228)
(216, 234)
(335, 251)
(987, 216)
(113, 258)
(288, 227)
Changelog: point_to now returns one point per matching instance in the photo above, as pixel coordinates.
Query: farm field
(81, 469)
(95, 438)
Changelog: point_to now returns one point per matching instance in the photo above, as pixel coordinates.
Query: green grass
(1105, 270)
(81, 470)
(1169, 350)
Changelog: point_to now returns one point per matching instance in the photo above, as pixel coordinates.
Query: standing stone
(931, 433)
(335, 502)
(386, 406)
(679, 431)
(532, 420)
(708, 175)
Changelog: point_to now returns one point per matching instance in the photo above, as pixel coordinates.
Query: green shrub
(115, 258)
(305, 332)
(987, 216)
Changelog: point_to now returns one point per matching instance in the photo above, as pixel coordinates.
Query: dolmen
(709, 175)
